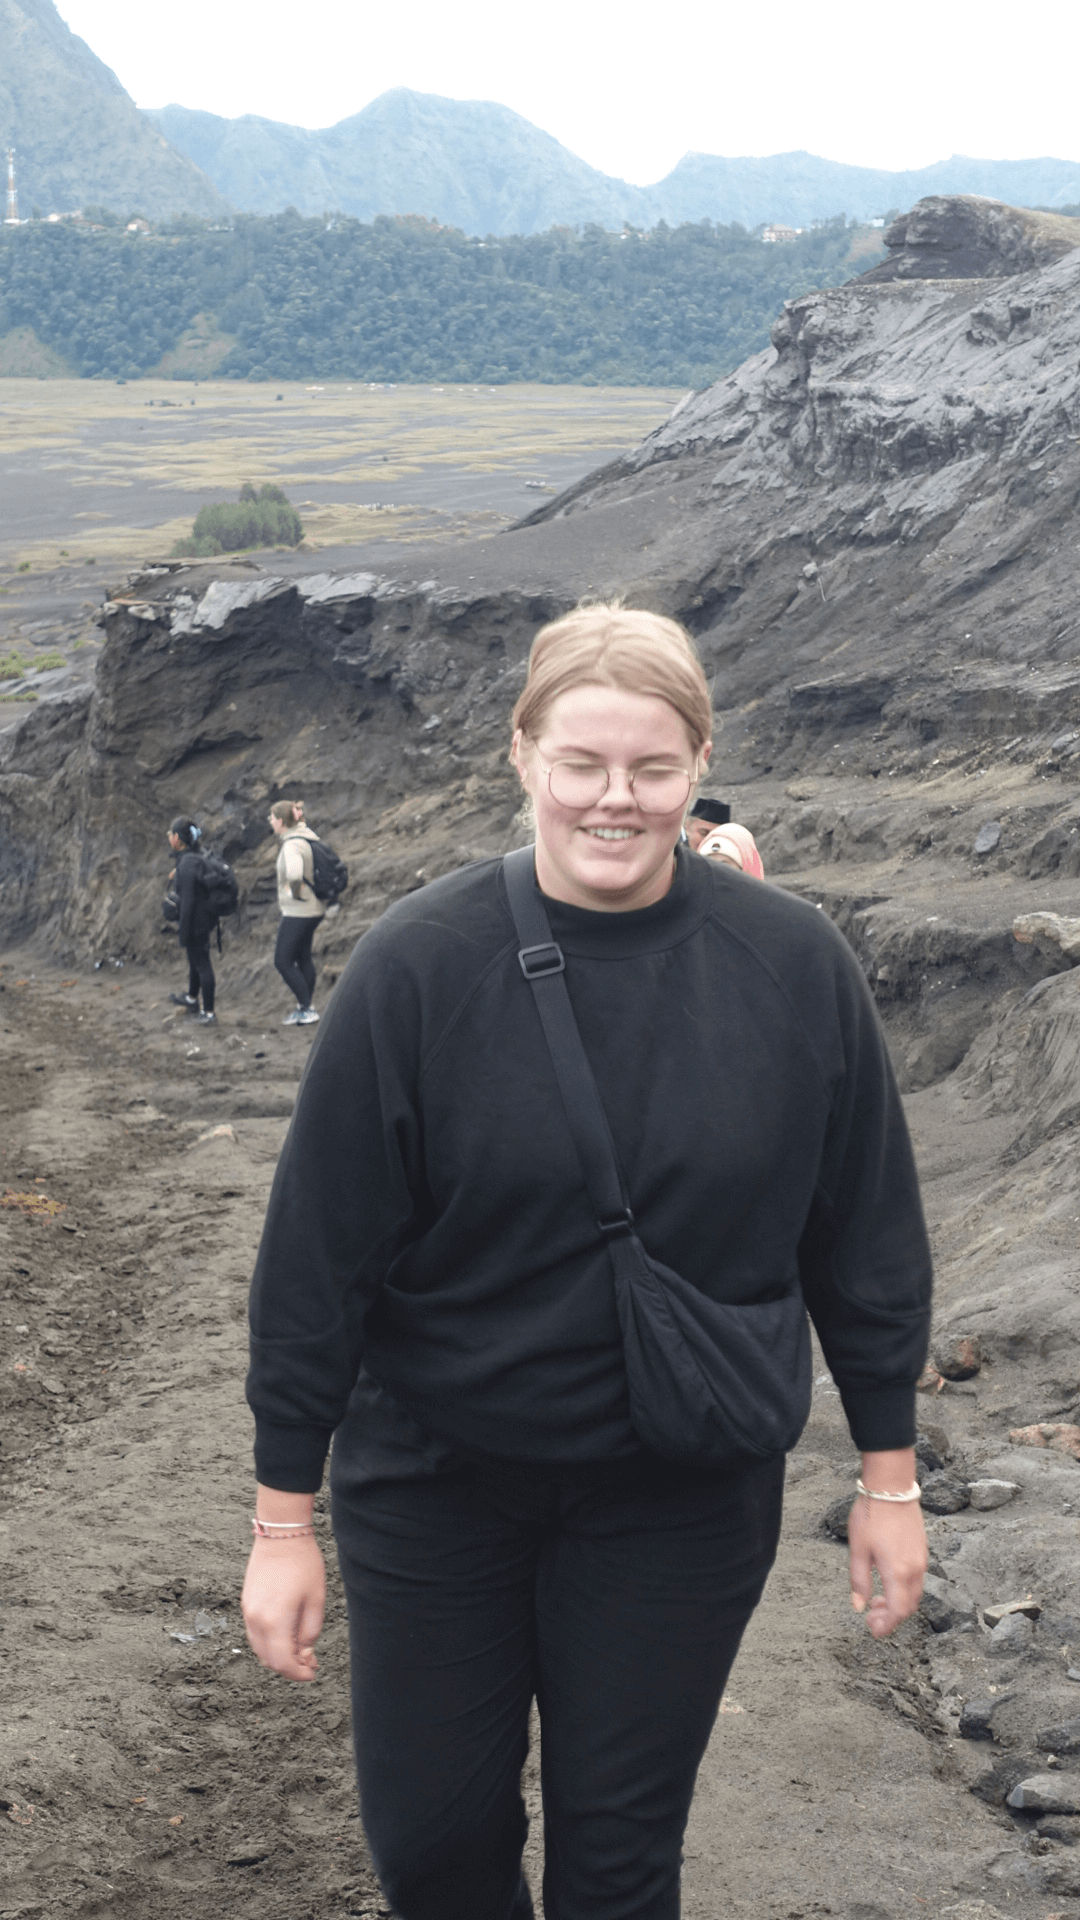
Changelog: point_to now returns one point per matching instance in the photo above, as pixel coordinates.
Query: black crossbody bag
(708, 1380)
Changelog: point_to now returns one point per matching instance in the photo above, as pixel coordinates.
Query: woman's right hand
(283, 1602)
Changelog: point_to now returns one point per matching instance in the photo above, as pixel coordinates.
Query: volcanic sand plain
(117, 473)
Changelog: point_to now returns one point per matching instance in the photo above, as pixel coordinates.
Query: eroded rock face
(216, 694)
(966, 237)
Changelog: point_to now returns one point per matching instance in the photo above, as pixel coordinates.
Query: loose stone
(1060, 1435)
(976, 1717)
(960, 1359)
(998, 1612)
(939, 1607)
(1062, 1739)
(1046, 1793)
(985, 1495)
(944, 1493)
(1014, 1634)
(835, 1518)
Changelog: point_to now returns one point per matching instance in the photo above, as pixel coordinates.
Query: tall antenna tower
(11, 216)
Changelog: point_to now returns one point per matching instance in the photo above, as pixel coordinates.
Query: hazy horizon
(605, 90)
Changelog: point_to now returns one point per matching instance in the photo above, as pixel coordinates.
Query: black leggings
(617, 1597)
(200, 972)
(292, 955)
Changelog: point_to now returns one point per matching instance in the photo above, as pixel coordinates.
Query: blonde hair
(609, 645)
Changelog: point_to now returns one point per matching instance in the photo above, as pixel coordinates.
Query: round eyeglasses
(581, 783)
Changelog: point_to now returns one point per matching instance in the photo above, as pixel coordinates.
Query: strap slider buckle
(621, 1223)
(535, 962)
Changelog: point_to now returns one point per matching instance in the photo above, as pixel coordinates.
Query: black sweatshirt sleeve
(339, 1208)
(187, 875)
(864, 1257)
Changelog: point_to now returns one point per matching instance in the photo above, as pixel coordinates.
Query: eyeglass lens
(581, 784)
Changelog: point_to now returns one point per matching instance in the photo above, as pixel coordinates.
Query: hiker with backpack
(309, 877)
(196, 920)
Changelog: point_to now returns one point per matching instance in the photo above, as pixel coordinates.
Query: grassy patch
(198, 353)
(12, 666)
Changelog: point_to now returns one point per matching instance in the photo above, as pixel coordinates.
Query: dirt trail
(150, 1777)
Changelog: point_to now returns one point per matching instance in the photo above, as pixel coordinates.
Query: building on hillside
(776, 234)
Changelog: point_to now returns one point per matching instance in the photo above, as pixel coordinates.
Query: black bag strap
(541, 961)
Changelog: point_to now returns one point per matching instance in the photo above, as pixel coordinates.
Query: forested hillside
(403, 299)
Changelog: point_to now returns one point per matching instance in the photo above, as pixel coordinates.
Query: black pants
(201, 971)
(616, 1596)
(292, 955)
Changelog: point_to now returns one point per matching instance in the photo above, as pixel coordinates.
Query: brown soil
(144, 1775)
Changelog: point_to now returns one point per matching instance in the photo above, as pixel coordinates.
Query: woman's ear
(517, 747)
(706, 754)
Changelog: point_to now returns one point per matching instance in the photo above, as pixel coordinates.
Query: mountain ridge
(475, 165)
(482, 167)
(78, 136)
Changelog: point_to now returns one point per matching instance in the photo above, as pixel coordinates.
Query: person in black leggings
(196, 922)
(301, 910)
(293, 957)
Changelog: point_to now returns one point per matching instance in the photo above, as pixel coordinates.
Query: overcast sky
(631, 89)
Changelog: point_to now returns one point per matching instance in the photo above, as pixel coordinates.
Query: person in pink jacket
(736, 847)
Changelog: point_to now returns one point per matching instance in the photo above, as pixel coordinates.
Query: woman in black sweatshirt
(433, 1291)
(196, 921)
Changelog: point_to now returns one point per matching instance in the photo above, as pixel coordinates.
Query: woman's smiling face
(610, 856)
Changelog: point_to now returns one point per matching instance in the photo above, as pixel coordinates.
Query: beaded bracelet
(281, 1529)
(913, 1493)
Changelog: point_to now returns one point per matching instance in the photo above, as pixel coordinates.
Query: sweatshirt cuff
(290, 1459)
(881, 1418)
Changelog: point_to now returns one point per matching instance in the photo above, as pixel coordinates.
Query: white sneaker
(306, 1017)
(293, 1019)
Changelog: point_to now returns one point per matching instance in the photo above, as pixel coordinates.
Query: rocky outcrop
(964, 237)
(869, 526)
(222, 688)
(1051, 933)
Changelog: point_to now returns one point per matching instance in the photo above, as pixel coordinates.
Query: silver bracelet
(913, 1493)
(280, 1529)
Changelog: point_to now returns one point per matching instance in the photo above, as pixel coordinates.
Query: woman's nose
(619, 791)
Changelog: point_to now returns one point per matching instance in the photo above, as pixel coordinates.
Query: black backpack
(219, 886)
(330, 873)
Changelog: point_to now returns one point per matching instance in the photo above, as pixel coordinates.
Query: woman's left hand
(889, 1537)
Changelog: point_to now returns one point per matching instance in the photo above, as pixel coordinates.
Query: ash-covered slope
(871, 526)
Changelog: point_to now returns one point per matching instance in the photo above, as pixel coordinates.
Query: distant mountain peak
(80, 140)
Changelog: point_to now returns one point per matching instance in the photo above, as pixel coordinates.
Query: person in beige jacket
(301, 910)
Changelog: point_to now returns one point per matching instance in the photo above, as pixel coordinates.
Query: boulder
(985, 1495)
(1046, 1793)
(1055, 933)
